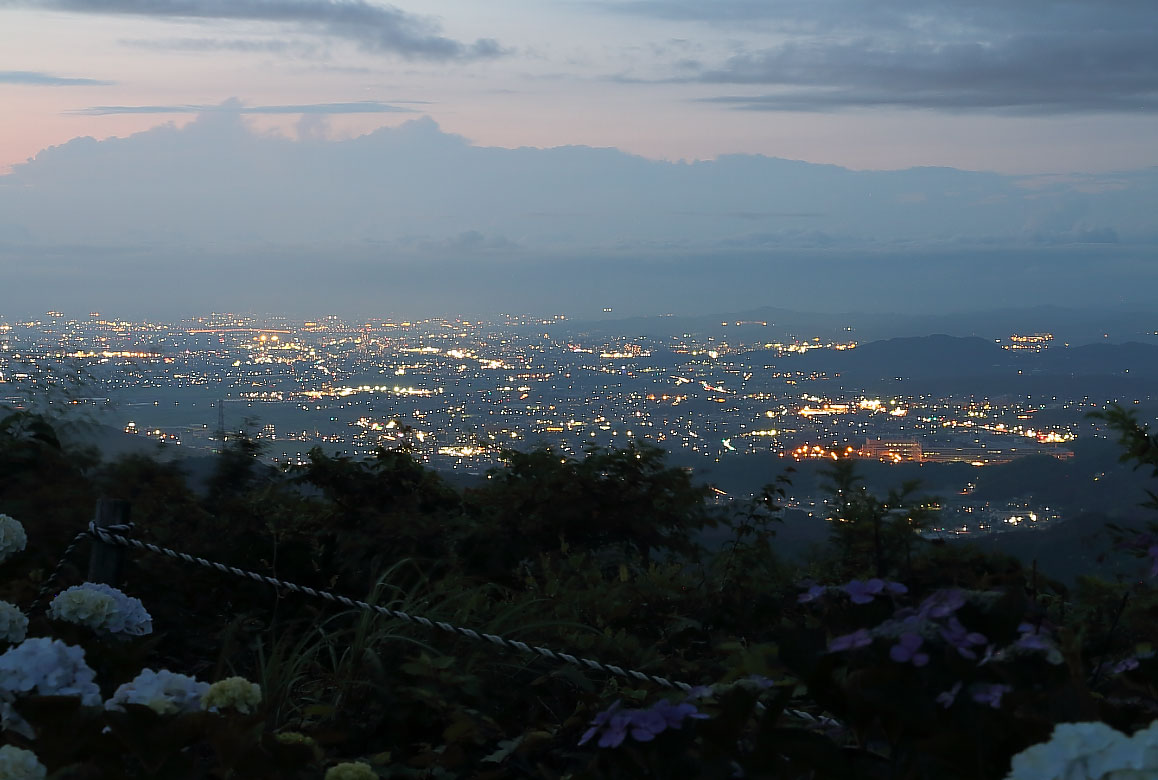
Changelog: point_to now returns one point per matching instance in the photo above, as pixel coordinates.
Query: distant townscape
(734, 401)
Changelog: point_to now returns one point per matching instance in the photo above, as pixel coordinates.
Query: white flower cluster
(236, 693)
(102, 608)
(351, 770)
(19, 764)
(13, 539)
(43, 667)
(164, 692)
(13, 624)
(1090, 751)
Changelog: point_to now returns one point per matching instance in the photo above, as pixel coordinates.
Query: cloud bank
(234, 107)
(413, 220)
(1036, 57)
(375, 28)
(37, 79)
(416, 189)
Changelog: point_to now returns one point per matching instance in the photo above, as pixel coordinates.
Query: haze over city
(299, 155)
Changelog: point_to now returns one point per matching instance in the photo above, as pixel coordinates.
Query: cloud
(377, 28)
(1033, 57)
(1030, 74)
(242, 45)
(217, 182)
(234, 107)
(37, 79)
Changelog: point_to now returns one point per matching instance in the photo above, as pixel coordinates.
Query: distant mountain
(941, 357)
(1068, 325)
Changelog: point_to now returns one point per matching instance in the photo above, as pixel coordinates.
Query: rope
(52, 578)
(108, 535)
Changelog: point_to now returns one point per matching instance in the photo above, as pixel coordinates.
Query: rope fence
(113, 536)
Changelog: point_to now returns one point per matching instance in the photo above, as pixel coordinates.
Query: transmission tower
(220, 424)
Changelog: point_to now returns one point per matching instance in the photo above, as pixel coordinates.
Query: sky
(1034, 86)
(561, 155)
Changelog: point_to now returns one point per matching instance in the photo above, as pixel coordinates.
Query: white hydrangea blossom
(235, 693)
(13, 623)
(43, 667)
(1089, 751)
(19, 764)
(164, 692)
(351, 770)
(102, 608)
(13, 539)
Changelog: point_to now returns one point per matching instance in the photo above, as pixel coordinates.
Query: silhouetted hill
(941, 356)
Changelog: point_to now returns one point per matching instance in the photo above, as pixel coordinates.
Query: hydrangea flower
(43, 667)
(13, 623)
(908, 650)
(859, 638)
(946, 698)
(13, 539)
(989, 693)
(614, 724)
(863, 592)
(351, 770)
(1085, 751)
(1152, 553)
(102, 608)
(164, 692)
(1037, 639)
(19, 764)
(942, 603)
(235, 693)
(963, 639)
(675, 713)
(813, 593)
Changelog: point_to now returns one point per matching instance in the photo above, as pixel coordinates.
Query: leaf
(506, 747)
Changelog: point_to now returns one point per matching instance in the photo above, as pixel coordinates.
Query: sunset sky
(1027, 87)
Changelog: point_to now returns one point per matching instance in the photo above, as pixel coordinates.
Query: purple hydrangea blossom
(942, 603)
(962, 638)
(946, 698)
(675, 713)
(863, 592)
(613, 725)
(1125, 665)
(813, 593)
(1153, 554)
(908, 650)
(859, 638)
(989, 693)
(645, 724)
(1034, 640)
(600, 722)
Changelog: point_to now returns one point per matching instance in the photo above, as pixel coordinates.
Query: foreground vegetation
(886, 656)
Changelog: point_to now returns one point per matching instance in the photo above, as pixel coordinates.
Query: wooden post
(104, 561)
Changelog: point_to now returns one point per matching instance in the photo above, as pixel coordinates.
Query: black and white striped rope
(108, 535)
(56, 572)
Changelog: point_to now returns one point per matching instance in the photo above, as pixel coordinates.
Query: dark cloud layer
(1030, 57)
(294, 48)
(233, 107)
(37, 79)
(378, 28)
